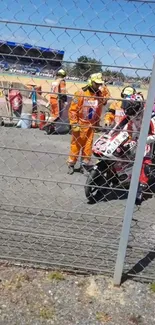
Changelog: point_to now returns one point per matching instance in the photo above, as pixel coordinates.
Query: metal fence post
(134, 181)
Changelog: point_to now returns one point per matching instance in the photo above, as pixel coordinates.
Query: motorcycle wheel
(93, 182)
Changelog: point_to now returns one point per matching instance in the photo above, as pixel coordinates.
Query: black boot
(70, 169)
(85, 168)
(140, 193)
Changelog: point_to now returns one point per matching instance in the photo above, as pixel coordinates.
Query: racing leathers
(116, 108)
(133, 125)
(84, 115)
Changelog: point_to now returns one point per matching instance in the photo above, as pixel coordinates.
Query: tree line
(85, 66)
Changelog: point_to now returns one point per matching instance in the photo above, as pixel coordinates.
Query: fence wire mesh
(46, 218)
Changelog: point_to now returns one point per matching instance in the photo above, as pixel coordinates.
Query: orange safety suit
(85, 110)
(58, 97)
(114, 114)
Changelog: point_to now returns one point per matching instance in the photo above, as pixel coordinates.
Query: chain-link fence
(53, 212)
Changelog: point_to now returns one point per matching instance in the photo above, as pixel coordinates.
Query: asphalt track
(46, 220)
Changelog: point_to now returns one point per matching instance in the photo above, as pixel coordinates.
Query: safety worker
(58, 97)
(116, 111)
(33, 96)
(105, 93)
(105, 97)
(84, 115)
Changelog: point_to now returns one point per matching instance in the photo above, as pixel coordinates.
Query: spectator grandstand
(29, 59)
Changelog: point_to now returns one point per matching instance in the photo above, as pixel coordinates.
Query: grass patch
(152, 286)
(58, 276)
(16, 281)
(103, 317)
(46, 313)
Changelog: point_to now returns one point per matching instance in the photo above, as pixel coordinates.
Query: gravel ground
(37, 297)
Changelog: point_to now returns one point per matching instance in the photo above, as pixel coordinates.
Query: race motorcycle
(114, 166)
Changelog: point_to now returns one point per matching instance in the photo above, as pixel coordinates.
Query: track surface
(45, 217)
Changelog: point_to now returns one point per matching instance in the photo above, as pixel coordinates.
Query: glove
(107, 124)
(133, 144)
(51, 119)
(47, 105)
(130, 147)
(75, 128)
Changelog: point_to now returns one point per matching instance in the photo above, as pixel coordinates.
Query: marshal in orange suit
(84, 115)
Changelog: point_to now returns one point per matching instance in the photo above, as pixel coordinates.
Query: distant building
(28, 58)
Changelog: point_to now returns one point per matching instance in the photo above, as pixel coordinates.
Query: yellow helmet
(97, 78)
(61, 73)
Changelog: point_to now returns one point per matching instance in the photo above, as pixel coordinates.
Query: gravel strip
(29, 296)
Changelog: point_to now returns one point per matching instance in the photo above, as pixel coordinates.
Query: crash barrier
(49, 217)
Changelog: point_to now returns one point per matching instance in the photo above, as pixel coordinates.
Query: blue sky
(104, 15)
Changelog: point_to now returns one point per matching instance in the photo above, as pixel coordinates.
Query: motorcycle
(114, 166)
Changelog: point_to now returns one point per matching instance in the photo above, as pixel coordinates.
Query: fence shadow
(138, 267)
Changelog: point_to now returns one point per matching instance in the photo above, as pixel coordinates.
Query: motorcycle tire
(94, 180)
(49, 128)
